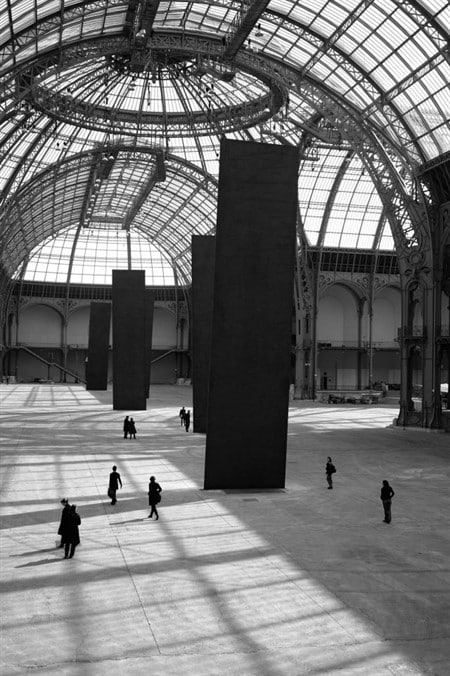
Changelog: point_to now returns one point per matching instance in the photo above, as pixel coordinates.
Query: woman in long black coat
(71, 534)
(154, 490)
(132, 428)
(64, 518)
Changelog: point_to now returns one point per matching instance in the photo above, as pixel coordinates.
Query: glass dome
(112, 114)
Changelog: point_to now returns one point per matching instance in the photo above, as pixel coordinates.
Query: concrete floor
(275, 583)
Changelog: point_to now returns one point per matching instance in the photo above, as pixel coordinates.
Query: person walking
(64, 518)
(114, 482)
(72, 533)
(330, 469)
(154, 497)
(386, 496)
(126, 427)
(132, 429)
(187, 420)
(182, 413)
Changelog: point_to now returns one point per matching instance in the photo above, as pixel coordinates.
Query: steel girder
(381, 103)
(27, 87)
(408, 219)
(242, 26)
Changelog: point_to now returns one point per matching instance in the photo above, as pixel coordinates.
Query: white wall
(164, 329)
(337, 323)
(78, 327)
(386, 316)
(40, 325)
(337, 318)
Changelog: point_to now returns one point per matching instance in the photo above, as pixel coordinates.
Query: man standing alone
(114, 482)
(182, 414)
(330, 469)
(386, 496)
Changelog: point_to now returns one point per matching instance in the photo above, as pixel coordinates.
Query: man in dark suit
(126, 427)
(114, 482)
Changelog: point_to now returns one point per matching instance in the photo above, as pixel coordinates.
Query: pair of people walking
(185, 418)
(154, 491)
(387, 492)
(68, 528)
(129, 428)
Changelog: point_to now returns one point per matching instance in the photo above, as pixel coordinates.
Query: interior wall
(337, 326)
(337, 317)
(40, 325)
(164, 329)
(41, 329)
(386, 319)
(78, 327)
(163, 371)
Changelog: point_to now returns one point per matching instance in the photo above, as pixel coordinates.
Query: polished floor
(274, 583)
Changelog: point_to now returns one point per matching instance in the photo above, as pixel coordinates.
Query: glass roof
(98, 251)
(112, 112)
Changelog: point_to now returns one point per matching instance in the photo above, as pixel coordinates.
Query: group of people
(185, 418)
(129, 428)
(386, 495)
(70, 519)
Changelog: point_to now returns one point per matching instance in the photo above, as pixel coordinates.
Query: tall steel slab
(98, 346)
(149, 306)
(129, 353)
(251, 332)
(203, 253)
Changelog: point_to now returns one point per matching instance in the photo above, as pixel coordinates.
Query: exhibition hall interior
(225, 337)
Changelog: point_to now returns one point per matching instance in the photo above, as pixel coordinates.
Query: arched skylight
(89, 256)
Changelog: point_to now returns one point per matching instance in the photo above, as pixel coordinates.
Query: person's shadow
(35, 551)
(42, 562)
(122, 523)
